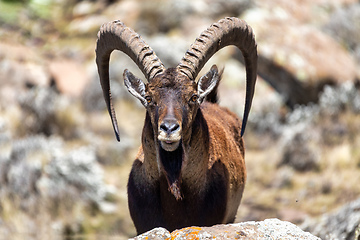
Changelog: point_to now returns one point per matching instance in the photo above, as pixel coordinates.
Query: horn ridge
(227, 31)
(116, 36)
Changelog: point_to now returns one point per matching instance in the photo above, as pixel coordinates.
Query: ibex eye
(194, 98)
(148, 99)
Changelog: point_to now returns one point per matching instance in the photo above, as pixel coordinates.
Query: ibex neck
(187, 162)
(196, 153)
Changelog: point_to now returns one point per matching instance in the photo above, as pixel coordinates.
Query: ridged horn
(228, 31)
(115, 35)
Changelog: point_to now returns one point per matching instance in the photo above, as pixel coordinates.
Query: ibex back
(190, 169)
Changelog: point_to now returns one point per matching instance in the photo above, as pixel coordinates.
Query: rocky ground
(63, 174)
(268, 229)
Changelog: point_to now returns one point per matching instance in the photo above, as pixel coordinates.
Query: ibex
(190, 168)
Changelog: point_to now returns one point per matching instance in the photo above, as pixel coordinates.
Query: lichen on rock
(267, 229)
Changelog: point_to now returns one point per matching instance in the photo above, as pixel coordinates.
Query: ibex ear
(208, 82)
(135, 86)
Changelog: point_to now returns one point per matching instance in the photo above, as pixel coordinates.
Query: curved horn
(228, 31)
(115, 35)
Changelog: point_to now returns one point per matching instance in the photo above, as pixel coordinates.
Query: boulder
(342, 28)
(20, 68)
(267, 229)
(300, 61)
(70, 76)
(341, 224)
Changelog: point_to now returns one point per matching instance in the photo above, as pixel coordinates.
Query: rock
(21, 168)
(93, 99)
(149, 18)
(84, 8)
(87, 25)
(20, 67)
(267, 229)
(344, 97)
(39, 106)
(74, 174)
(299, 62)
(220, 8)
(299, 154)
(341, 26)
(70, 76)
(342, 224)
(127, 11)
(42, 180)
(169, 49)
(155, 234)
(38, 166)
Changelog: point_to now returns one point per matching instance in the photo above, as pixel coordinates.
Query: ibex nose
(169, 126)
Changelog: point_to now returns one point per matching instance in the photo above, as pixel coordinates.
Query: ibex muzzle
(169, 133)
(170, 120)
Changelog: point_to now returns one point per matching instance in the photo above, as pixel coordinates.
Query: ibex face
(172, 101)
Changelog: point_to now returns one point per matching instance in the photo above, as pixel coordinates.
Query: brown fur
(208, 187)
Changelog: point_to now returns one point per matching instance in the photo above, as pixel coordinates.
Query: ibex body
(190, 169)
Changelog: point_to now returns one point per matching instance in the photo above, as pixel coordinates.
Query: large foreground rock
(268, 229)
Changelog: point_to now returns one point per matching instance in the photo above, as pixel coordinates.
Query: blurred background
(63, 175)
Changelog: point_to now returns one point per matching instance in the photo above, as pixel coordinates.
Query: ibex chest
(198, 206)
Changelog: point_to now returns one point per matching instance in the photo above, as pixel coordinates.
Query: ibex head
(172, 101)
(172, 96)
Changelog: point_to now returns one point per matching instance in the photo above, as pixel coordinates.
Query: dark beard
(172, 163)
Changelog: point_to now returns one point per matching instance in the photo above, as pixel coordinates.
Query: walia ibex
(190, 168)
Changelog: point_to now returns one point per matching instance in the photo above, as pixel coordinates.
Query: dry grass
(310, 193)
